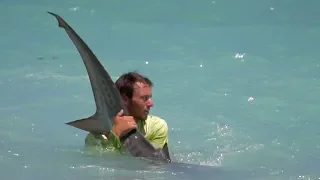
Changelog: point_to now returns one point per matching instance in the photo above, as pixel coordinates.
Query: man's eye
(145, 98)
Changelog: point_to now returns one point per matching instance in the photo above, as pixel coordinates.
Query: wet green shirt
(154, 129)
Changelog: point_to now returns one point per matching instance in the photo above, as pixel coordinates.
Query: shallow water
(237, 83)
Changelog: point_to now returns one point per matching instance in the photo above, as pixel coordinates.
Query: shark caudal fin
(107, 97)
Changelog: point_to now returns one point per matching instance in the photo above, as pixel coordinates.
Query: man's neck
(137, 120)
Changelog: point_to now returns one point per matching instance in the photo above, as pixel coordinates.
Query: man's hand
(123, 124)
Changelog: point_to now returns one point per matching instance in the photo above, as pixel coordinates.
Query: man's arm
(154, 145)
(159, 136)
(159, 133)
(93, 140)
(102, 141)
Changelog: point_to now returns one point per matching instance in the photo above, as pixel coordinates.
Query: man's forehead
(140, 84)
(141, 88)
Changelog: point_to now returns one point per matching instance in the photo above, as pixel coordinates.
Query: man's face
(141, 101)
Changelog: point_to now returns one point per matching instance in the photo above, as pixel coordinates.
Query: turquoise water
(236, 81)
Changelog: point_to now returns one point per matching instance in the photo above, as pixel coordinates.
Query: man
(135, 90)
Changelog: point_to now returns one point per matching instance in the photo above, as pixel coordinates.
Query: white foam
(74, 8)
(250, 99)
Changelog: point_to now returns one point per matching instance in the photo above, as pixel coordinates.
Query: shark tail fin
(90, 124)
(61, 22)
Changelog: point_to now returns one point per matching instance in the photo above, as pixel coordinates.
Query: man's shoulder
(157, 130)
(157, 123)
(156, 120)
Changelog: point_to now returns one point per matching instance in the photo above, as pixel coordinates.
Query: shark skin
(108, 103)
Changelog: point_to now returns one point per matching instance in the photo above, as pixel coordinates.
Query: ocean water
(236, 81)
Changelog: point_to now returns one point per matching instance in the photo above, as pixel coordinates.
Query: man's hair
(126, 81)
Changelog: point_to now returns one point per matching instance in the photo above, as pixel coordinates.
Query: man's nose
(149, 102)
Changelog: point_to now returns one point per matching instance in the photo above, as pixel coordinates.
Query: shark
(108, 103)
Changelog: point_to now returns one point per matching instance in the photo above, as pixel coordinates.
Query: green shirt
(154, 129)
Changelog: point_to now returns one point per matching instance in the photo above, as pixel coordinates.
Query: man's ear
(125, 99)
